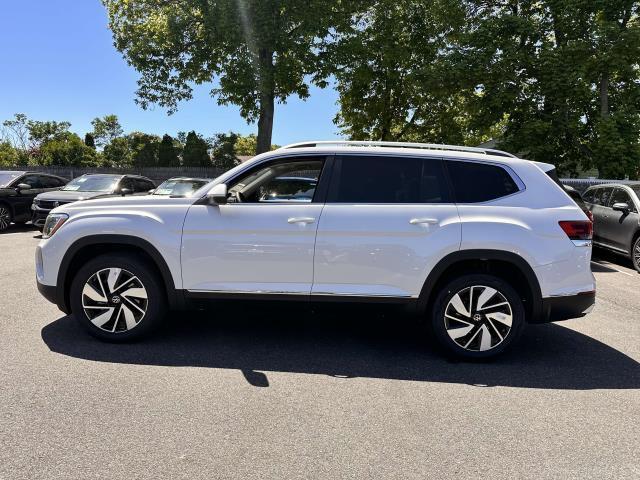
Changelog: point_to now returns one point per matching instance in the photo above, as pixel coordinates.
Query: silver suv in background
(616, 222)
(86, 187)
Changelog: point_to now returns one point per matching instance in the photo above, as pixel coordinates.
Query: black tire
(126, 322)
(447, 322)
(635, 254)
(6, 217)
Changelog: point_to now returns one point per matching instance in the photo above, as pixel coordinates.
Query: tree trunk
(267, 101)
(265, 123)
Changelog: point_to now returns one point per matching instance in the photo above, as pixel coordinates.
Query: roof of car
(404, 148)
(18, 173)
(121, 175)
(189, 179)
(615, 184)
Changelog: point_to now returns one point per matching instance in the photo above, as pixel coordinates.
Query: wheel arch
(506, 265)
(88, 247)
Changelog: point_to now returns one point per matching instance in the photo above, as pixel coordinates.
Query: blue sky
(59, 63)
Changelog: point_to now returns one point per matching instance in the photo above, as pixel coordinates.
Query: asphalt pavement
(253, 393)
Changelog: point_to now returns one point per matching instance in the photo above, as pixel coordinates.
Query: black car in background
(91, 185)
(17, 191)
(180, 186)
(616, 221)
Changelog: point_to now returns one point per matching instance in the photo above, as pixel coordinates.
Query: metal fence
(157, 174)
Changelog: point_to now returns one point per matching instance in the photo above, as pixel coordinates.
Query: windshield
(636, 189)
(97, 183)
(7, 178)
(182, 188)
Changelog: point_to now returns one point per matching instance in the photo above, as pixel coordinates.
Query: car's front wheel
(117, 297)
(5, 217)
(635, 254)
(477, 316)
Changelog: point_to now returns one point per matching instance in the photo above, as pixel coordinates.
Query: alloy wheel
(5, 218)
(636, 254)
(114, 300)
(478, 318)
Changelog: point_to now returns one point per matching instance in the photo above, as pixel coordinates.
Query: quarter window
(384, 179)
(479, 182)
(588, 196)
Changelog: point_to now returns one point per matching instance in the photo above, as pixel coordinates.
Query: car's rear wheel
(5, 217)
(635, 253)
(117, 297)
(477, 316)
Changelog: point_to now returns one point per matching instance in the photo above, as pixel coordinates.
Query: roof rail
(426, 146)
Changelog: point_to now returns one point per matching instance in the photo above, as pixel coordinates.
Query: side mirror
(150, 192)
(621, 207)
(125, 191)
(23, 186)
(218, 194)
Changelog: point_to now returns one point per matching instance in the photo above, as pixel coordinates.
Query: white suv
(477, 242)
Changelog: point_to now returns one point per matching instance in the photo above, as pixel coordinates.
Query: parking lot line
(612, 266)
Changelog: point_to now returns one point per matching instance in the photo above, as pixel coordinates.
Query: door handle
(301, 220)
(421, 221)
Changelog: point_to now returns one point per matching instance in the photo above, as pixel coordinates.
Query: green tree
(89, 141)
(8, 155)
(195, 152)
(564, 76)
(256, 51)
(67, 149)
(395, 84)
(106, 129)
(223, 151)
(43, 132)
(118, 153)
(144, 149)
(167, 152)
(246, 145)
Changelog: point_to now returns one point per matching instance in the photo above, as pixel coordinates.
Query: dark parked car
(616, 223)
(88, 186)
(180, 186)
(17, 191)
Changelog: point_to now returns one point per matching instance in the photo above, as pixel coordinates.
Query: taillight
(578, 229)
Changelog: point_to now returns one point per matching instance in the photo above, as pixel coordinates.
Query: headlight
(53, 222)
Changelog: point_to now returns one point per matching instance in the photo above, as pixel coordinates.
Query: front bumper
(566, 307)
(39, 215)
(48, 291)
(52, 293)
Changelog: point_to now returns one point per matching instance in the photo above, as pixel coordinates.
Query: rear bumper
(566, 307)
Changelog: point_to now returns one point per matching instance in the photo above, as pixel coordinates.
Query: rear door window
(143, 185)
(605, 196)
(479, 182)
(388, 180)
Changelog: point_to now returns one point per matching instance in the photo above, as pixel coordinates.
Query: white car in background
(477, 242)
